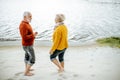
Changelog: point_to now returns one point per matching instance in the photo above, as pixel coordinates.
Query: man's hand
(35, 34)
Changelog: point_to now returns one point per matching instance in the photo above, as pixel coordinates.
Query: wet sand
(85, 62)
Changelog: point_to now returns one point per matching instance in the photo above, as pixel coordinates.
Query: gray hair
(61, 17)
(26, 13)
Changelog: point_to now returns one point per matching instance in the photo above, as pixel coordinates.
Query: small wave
(104, 2)
(8, 39)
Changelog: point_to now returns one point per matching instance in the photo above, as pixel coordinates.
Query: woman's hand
(51, 52)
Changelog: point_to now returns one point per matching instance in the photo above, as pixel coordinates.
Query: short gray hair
(61, 17)
(26, 13)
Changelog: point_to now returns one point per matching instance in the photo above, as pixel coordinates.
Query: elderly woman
(60, 42)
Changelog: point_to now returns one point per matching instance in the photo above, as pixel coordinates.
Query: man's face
(29, 18)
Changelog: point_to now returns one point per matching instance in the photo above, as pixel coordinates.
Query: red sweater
(26, 34)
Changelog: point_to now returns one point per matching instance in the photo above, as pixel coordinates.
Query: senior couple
(59, 46)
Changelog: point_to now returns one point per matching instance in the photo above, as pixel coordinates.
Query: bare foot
(29, 74)
(60, 70)
(31, 70)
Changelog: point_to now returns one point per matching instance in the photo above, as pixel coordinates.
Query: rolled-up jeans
(59, 53)
(29, 55)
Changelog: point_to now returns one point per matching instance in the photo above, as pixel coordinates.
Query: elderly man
(28, 37)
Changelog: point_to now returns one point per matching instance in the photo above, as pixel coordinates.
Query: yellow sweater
(60, 38)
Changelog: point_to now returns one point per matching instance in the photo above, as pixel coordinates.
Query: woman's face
(57, 19)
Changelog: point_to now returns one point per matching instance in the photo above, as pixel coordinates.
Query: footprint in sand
(59, 79)
(92, 60)
(67, 76)
(17, 74)
(2, 62)
(92, 75)
(10, 79)
(63, 76)
(75, 75)
(91, 66)
(15, 79)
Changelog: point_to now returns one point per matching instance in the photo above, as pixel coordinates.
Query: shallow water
(86, 19)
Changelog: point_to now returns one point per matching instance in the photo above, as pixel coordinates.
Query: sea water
(86, 20)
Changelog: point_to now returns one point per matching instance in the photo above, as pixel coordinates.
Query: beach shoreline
(85, 62)
(46, 43)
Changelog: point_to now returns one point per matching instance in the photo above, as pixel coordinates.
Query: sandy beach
(86, 20)
(85, 62)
